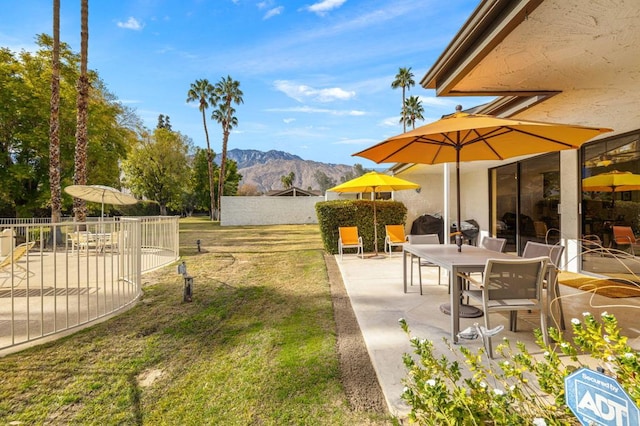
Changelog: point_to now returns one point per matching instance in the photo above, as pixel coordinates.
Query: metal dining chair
(424, 239)
(510, 285)
(494, 244)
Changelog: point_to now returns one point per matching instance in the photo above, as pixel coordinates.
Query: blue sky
(316, 75)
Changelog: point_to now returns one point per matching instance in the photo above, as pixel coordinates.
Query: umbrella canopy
(469, 137)
(613, 181)
(100, 194)
(374, 182)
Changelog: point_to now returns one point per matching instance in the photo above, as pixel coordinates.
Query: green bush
(521, 389)
(333, 214)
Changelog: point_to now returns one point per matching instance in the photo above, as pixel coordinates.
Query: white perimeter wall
(263, 210)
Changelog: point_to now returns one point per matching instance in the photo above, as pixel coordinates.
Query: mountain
(264, 169)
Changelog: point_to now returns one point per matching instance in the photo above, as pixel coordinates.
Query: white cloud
(289, 120)
(301, 92)
(325, 6)
(310, 110)
(358, 141)
(131, 24)
(273, 12)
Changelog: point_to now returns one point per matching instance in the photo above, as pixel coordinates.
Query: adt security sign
(597, 399)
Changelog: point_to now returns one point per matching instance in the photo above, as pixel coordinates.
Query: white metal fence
(58, 277)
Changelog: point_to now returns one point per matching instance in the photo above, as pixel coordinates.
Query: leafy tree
(54, 121)
(25, 129)
(248, 190)
(324, 181)
(80, 175)
(202, 92)
(403, 79)
(413, 108)
(156, 168)
(226, 91)
(287, 180)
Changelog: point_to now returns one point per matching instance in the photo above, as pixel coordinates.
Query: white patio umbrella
(100, 194)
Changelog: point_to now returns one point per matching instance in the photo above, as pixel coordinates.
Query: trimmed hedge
(333, 214)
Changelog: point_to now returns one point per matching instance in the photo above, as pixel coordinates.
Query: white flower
(629, 355)
(604, 314)
(611, 358)
(564, 344)
(405, 389)
(546, 353)
(512, 388)
(505, 363)
(586, 314)
(575, 321)
(431, 382)
(498, 392)
(401, 320)
(423, 341)
(606, 338)
(483, 385)
(539, 421)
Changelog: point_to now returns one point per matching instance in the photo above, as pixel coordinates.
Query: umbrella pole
(375, 225)
(458, 236)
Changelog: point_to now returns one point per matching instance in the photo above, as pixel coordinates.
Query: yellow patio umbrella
(375, 182)
(613, 181)
(463, 137)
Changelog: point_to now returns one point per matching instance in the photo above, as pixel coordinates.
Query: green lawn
(256, 345)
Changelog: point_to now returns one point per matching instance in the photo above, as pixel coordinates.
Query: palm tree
(404, 79)
(202, 91)
(54, 121)
(226, 91)
(287, 180)
(80, 175)
(414, 110)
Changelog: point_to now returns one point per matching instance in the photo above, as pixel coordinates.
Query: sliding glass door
(524, 201)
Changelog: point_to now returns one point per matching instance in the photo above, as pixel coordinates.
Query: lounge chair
(349, 238)
(11, 268)
(81, 241)
(395, 237)
(623, 237)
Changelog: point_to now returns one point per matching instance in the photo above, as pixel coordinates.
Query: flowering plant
(519, 389)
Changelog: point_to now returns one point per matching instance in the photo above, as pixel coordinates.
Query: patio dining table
(470, 259)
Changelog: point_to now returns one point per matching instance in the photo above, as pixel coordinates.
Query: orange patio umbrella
(375, 182)
(463, 137)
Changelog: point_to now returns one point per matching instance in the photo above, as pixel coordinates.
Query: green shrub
(333, 214)
(521, 389)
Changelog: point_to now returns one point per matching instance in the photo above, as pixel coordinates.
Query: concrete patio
(375, 288)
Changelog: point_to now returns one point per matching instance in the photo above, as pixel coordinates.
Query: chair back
(395, 233)
(553, 251)
(512, 279)
(623, 235)
(494, 244)
(348, 234)
(540, 228)
(424, 239)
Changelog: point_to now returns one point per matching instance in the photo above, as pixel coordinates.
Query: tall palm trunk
(54, 120)
(80, 177)
(223, 160)
(209, 167)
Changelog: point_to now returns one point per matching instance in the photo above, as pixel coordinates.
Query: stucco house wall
(261, 210)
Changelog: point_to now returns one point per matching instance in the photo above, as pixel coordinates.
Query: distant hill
(264, 169)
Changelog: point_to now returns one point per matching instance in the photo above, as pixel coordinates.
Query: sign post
(597, 399)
